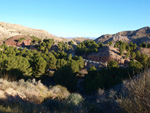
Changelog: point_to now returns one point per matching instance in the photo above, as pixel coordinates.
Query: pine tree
(65, 76)
(39, 66)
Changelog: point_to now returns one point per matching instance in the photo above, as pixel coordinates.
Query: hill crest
(142, 34)
(8, 30)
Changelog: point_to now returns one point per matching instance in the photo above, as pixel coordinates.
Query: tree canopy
(87, 47)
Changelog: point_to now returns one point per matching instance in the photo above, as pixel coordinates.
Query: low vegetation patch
(130, 97)
(31, 90)
(21, 39)
(33, 97)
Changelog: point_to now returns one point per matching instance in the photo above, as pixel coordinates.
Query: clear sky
(82, 18)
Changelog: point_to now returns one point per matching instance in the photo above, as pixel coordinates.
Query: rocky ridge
(137, 36)
(8, 30)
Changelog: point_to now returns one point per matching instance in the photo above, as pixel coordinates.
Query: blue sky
(77, 18)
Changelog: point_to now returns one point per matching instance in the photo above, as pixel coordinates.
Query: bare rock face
(13, 41)
(107, 38)
(106, 54)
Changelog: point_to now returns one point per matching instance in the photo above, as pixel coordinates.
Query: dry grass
(130, 97)
(33, 97)
(32, 91)
(136, 94)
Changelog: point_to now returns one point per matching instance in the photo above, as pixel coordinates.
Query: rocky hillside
(79, 39)
(8, 30)
(107, 53)
(19, 40)
(137, 36)
(144, 50)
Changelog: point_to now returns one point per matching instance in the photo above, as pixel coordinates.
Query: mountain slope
(137, 36)
(8, 30)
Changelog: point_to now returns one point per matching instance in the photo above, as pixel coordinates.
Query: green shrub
(75, 99)
(136, 65)
(34, 39)
(39, 66)
(113, 64)
(87, 47)
(65, 77)
(74, 65)
(21, 39)
(144, 45)
(109, 43)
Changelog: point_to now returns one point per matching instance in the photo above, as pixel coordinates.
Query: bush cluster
(26, 62)
(38, 98)
(144, 45)
(87, 47)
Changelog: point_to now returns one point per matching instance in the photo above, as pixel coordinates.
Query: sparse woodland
(45, 80)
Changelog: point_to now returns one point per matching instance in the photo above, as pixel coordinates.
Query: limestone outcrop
(13, 41)
(106, 54)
